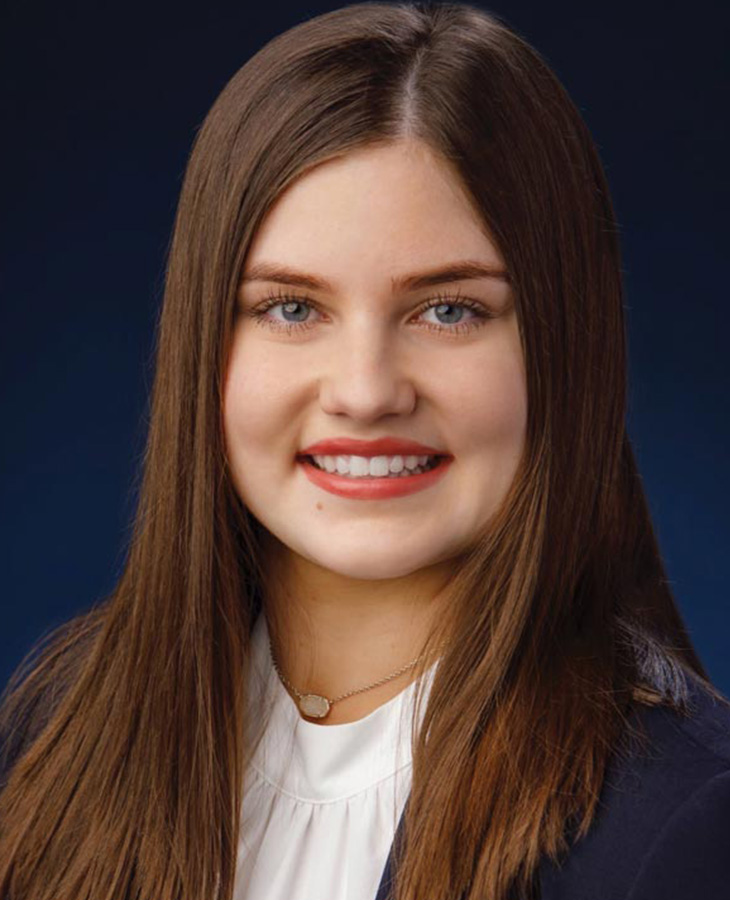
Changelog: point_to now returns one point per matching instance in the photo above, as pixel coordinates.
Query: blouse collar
(324, 763)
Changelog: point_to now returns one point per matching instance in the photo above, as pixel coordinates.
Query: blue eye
(296, 306)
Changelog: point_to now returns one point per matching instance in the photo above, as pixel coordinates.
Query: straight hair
(128, 729)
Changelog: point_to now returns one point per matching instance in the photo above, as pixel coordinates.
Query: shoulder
(664, 813)
(689, 856)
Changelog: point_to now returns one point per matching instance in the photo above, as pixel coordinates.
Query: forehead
(375, 213)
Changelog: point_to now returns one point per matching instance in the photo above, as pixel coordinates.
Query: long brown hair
(132, 716)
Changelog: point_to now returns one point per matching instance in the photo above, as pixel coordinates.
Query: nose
(364, 377)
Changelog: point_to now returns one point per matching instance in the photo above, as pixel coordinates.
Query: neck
(332, 634)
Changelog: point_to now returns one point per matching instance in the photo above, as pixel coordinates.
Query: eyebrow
(461, 270)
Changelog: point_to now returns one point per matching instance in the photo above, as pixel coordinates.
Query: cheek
(505, 407)
(488, 398)
(254, 392)
(252, 423)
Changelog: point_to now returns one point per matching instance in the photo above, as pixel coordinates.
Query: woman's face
(365, 358)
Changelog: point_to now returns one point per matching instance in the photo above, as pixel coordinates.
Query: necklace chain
(317, 706)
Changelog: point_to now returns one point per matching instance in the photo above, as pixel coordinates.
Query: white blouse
(321, 802)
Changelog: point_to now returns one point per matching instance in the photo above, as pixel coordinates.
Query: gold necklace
(315, 706)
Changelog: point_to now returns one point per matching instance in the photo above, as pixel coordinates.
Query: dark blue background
(99, 113)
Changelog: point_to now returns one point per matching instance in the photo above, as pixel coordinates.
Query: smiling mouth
(401, 471)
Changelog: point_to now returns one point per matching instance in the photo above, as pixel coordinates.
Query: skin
(357, 582)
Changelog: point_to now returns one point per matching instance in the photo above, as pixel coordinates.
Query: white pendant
(314, 706)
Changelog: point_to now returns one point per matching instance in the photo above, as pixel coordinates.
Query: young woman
(393, 622)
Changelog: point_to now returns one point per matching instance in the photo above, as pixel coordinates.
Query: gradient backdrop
(100, 111)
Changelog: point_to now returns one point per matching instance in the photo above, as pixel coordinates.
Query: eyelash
(483, 315)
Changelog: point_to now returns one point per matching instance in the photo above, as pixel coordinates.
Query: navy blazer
(662, 830)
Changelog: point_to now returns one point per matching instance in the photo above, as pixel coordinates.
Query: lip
(373, 488)
(385, 446)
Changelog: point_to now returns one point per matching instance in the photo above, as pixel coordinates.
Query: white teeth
(374, 466)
